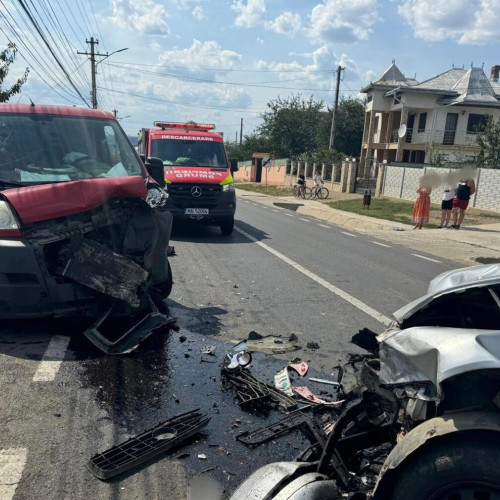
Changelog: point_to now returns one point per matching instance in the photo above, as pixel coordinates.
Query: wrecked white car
(423, 417)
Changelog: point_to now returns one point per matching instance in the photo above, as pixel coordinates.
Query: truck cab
(198, 174)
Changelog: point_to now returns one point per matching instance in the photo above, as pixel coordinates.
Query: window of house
(476, 123)
(369, 98)
(422, 120)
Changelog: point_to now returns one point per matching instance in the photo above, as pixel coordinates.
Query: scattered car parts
(147, 445)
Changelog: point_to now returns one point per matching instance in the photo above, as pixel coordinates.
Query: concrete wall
(402, 182)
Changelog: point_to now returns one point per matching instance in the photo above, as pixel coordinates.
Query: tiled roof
(444, 81)
(393, 76)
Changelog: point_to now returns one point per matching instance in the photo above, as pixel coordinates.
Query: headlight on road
(228, 187)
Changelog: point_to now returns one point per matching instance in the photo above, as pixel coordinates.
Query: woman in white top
(446, 204)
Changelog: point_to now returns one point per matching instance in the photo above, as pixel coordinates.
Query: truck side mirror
(154, 166)
(234, 165)
(143, 158)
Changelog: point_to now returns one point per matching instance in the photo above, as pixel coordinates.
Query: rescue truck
(198, 174)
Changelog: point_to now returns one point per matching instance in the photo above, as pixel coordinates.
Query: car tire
(166, 287)
(453, 468)
(227, 226)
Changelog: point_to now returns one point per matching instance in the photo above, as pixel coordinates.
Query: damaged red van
(81, 225)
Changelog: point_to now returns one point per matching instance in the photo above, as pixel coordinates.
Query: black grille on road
(181, 195)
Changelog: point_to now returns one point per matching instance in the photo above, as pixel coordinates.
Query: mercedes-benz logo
(196, 191)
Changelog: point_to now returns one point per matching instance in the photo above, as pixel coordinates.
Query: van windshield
(190, 152)
(38, 149)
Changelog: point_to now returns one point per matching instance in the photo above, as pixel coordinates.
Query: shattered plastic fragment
(202, 456)
(300, 367)
(323, 381)
(312, 345)
(307, 394)
(282, 381)
(209, 349)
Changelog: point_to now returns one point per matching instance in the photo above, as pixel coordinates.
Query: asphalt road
(279, 273)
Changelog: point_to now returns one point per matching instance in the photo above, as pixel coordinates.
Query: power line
(39, 31)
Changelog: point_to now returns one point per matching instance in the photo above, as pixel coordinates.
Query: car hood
(433, 354)
(451, 282)
(49, 201)
(200, 175)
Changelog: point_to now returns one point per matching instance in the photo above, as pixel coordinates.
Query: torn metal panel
(452, 282)
(434, 354)
(103, 270)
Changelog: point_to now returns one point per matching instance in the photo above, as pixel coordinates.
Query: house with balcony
(411, 122)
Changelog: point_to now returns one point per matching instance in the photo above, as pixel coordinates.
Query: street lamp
(107, 55)
(94, 64)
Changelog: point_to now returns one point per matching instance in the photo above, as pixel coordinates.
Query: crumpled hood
(450, 282)
(433, 354)
(49, 201)
(201, 175)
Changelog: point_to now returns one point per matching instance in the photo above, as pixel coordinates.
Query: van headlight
(228, 187)
(7, 218)
(156, 197)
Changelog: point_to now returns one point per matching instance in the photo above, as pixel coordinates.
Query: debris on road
(209, 350)
(323, 381)
(202, 456)
(301, 367)
(282, 381)
(259, 436)
(307, 394)
(135, 334)
(171, 251)
(312, 345)
(147, 445)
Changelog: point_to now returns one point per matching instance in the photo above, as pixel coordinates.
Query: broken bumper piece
(147, 445)
(133, 336)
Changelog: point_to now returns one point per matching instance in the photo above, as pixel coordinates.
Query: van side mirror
(154, 166)
(234, 165)
(143, 158)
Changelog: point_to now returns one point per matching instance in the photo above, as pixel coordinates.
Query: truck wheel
(227, 226)
(165, 287)
(455, 469)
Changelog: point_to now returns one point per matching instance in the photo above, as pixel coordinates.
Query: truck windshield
(189, 152)
(37, 149)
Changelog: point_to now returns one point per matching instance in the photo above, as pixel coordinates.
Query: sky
(223, 61)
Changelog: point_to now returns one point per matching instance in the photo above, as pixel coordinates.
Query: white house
(409, 122)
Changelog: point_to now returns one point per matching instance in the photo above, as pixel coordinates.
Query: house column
(401, 140)
(367, 159)
(389, 127)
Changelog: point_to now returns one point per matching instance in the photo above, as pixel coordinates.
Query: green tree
(290, 125)
(252, 143)
(7, 57)
(488, 141)
(348, 128)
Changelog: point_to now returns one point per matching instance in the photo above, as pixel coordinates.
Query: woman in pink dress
(422, 206)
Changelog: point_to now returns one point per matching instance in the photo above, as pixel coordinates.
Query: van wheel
(165, 287)
(454, 469)
(227, 226)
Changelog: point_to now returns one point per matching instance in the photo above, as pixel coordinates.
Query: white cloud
(287, 23)
(203, 55)
(343, 20)
(146, 17)
(198, 13)
(467, 21)
(250, 14)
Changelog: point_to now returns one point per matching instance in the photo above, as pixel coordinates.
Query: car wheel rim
(471, 490)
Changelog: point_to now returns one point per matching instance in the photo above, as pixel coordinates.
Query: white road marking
(52, 359)
(349, 234)
(274, 210)
(12, 462)
(381, 244)
(323, 225)
(426, 258)
(306, 220)
(332, 288)
(289, 215)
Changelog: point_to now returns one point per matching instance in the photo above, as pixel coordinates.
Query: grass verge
(270, 190)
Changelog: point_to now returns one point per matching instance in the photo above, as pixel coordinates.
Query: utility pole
(241, 131)
(93, 65)
(336, 105)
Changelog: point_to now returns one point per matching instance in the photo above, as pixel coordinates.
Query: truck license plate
(196, 211)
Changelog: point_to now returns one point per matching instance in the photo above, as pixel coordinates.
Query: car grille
(181, 195)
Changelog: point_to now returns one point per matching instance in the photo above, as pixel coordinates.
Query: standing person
(301, 182)
(422, 206)
(318, 182)
(446, 204)
(465, 188)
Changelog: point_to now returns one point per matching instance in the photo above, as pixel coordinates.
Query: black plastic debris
(147, 445)
(366, 339)
(135, 334)
(287, 424)
(312, 345)
(171, 251)
(253, 335)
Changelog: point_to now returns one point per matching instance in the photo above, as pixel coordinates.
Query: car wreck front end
(422, 413)
(80, 219)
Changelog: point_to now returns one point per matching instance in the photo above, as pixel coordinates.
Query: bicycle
(322, 193)
(305, 194)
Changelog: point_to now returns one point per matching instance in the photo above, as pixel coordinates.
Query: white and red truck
(198, 173)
